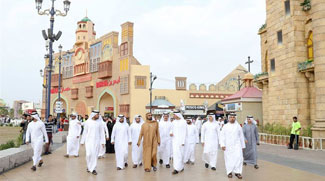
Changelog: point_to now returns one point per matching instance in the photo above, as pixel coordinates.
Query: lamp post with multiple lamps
(152, 79)
(59, 89)
(52, 37)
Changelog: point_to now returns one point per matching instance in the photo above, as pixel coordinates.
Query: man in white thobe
(73, 137)
(164, 150)
(210, 141)
(135, 129)
(102, 150)
(121, 137)
(35, 133)
(232, 143)
(191, 140)
(198, 124)
(93, 137)
(178, 134)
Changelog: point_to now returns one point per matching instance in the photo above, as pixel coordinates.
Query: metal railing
(306, 143)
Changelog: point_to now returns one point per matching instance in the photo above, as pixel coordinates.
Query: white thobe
(36, 132)
(210, 138)
(121, 137)
(198, 124)
(191, 140)
(94, 138)
(232, 138)
(135, 129)
(178, 130)
(164, 150)
(102, 149)
(73, 137)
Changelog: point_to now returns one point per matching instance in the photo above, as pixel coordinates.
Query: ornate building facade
(293, 63)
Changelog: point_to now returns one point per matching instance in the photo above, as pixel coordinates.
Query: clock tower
(85, 31)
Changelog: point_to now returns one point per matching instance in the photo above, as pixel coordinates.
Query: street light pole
(52, 37)
(59, 89)
(152, 79)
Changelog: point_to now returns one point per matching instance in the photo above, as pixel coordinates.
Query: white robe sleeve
(197, 135)
(44, 133)
(79, 128)
(84, 134)
(203, 134)
(222, 139)
(242, 139)
(113, 134)
(28, 133)
(129, 134)
(183, 135)
(102, 135)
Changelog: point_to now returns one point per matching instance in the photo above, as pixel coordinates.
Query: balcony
(55, 80)
(105, 69)
(125, 110)
(79, 69)
(261, 79)
(89, 91)
(307, 67)
(74, 93)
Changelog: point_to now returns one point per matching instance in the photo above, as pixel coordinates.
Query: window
(140, 82)
(310, 46)
(124, 49)
(287, 7)
(124, 65)
(84, 37)
(124, 85)
(279, 37)
(78, 37)
(272, 65)
(79, 26)
(84, 26)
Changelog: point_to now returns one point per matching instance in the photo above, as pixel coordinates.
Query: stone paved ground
(58, 168)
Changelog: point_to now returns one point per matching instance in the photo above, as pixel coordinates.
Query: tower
(85, 31)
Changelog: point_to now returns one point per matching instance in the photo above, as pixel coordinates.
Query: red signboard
(109, 108)
(56, 90)
(106, 83)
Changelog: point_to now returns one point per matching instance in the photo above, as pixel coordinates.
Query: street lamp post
(152, 79)
(59, 89)
(52, 37)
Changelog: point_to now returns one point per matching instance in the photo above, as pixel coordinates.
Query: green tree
(4, 111)
(11, 113)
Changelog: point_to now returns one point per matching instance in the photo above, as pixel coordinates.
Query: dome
(85, 19)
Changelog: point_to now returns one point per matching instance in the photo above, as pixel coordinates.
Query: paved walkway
(58, 168)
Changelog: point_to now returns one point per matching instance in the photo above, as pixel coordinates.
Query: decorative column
(318, 24)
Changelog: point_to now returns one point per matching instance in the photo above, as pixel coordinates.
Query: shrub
(9, 144)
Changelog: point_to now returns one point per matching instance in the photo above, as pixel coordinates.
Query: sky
(203, 40)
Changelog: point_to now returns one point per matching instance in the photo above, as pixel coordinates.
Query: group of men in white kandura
(177, 140)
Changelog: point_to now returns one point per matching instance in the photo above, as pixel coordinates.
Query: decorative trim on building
(208, 96)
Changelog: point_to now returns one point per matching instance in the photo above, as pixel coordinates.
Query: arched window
(310, 46)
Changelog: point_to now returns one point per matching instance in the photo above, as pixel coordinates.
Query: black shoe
(244, 164)
(33, 168)
(213, 168)
(49, 152)
(88, 170)
(206, 165)
(154, 169)
(289, 147)
(161, 161)
(167, 166)
(126, 165)
(46, 153)
(175, 172)
(182, 170)
(94, 172)
(40, 164)
(140, 165)
(118, 168)
(256, 166)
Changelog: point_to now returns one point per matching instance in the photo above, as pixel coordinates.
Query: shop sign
(106, 83)
(195, 107)
(56, 90)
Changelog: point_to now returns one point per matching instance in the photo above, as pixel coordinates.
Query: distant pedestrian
(24, 124)
(49, 125)
(73, 136)
(295, 131)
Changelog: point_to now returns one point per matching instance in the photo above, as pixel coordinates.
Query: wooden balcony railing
(80, 69)
(74, 93)
(105, 69)
(55, 80)
(89, 91)
(125, 109)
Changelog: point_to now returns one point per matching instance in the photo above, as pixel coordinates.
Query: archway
(65, 105)
(106, 105)
(81, 108)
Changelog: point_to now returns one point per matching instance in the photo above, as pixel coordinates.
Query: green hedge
(278, 129)
(12, 143)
